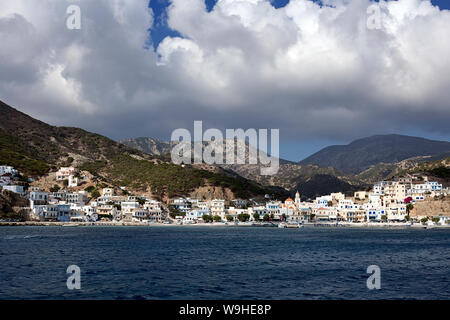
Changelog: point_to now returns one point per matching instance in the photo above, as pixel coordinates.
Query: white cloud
(311, 71)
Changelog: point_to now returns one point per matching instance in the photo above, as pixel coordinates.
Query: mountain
(324, 184)
(289, 176)
(149, 145)
(36, 148)
(363, 154)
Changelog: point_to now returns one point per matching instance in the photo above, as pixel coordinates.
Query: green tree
(409, 208)
(175, 212)
(207, 218)
(229, 218)
(383, 217)
(266, 217)
(89, 189)
(243, 217)
(217, 218)
(256, 216)
(424, 220)
(55, 188)
(95, 194)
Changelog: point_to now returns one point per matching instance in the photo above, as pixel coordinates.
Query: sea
(230, 263)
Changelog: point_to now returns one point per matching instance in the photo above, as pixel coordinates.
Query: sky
(317, 71)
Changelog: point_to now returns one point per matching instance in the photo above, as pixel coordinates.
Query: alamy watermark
(73, 21)
(210, 147)
(376, 16)
(374, 281)
(74, 280)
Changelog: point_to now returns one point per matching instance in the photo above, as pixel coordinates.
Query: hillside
(36, 148)
(9, 201)
(362, 154)
(323, 184)
(149, 145)
(289, 175)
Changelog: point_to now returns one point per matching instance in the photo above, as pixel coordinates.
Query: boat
(71, 225)
(282, 225)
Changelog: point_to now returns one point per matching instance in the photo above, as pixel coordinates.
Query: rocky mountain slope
(367, 153)
(37, 148)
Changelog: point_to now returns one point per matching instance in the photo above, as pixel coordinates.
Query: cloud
(313, 71)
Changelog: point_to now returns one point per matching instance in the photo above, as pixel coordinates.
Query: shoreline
(137, 224)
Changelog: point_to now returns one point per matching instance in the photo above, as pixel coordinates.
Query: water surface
(223, 263)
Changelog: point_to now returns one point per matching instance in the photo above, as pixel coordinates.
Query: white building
(15, 189)
(374, 208)
(38, 196)
(64, 173)
(154, 210)
(396, 212)
(323, 201)
(80, 197)
(73, 181)
(107, 192)
(419, 190)
(8, 170)
(129, 206)
(217, 207)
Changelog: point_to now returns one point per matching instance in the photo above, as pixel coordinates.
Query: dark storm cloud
(314, 72)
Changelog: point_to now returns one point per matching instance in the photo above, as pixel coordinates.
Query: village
(395, 202)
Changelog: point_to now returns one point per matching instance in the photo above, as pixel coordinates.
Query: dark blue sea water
(223, 263)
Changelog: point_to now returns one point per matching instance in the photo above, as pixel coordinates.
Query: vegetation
(256, 216)
(207, 218)
(229, 218)
(243, 217)
(95, 194)
(167, 178)
(409, 208)
(217, 218)
(14, 153)
(435, 220)
(441, 172)
(175, 212)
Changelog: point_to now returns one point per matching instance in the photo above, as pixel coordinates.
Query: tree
(89, 189)
(55, 188)
(384, 217)
(435, 220)
(65, 183)
(266, 217)
(217, 218)
(229, 218)
(243, 217)
(424, 220)
(409, 208)
(207, 218)
(175, 212)
(283, 216)
(256, 216)
(95, 194)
